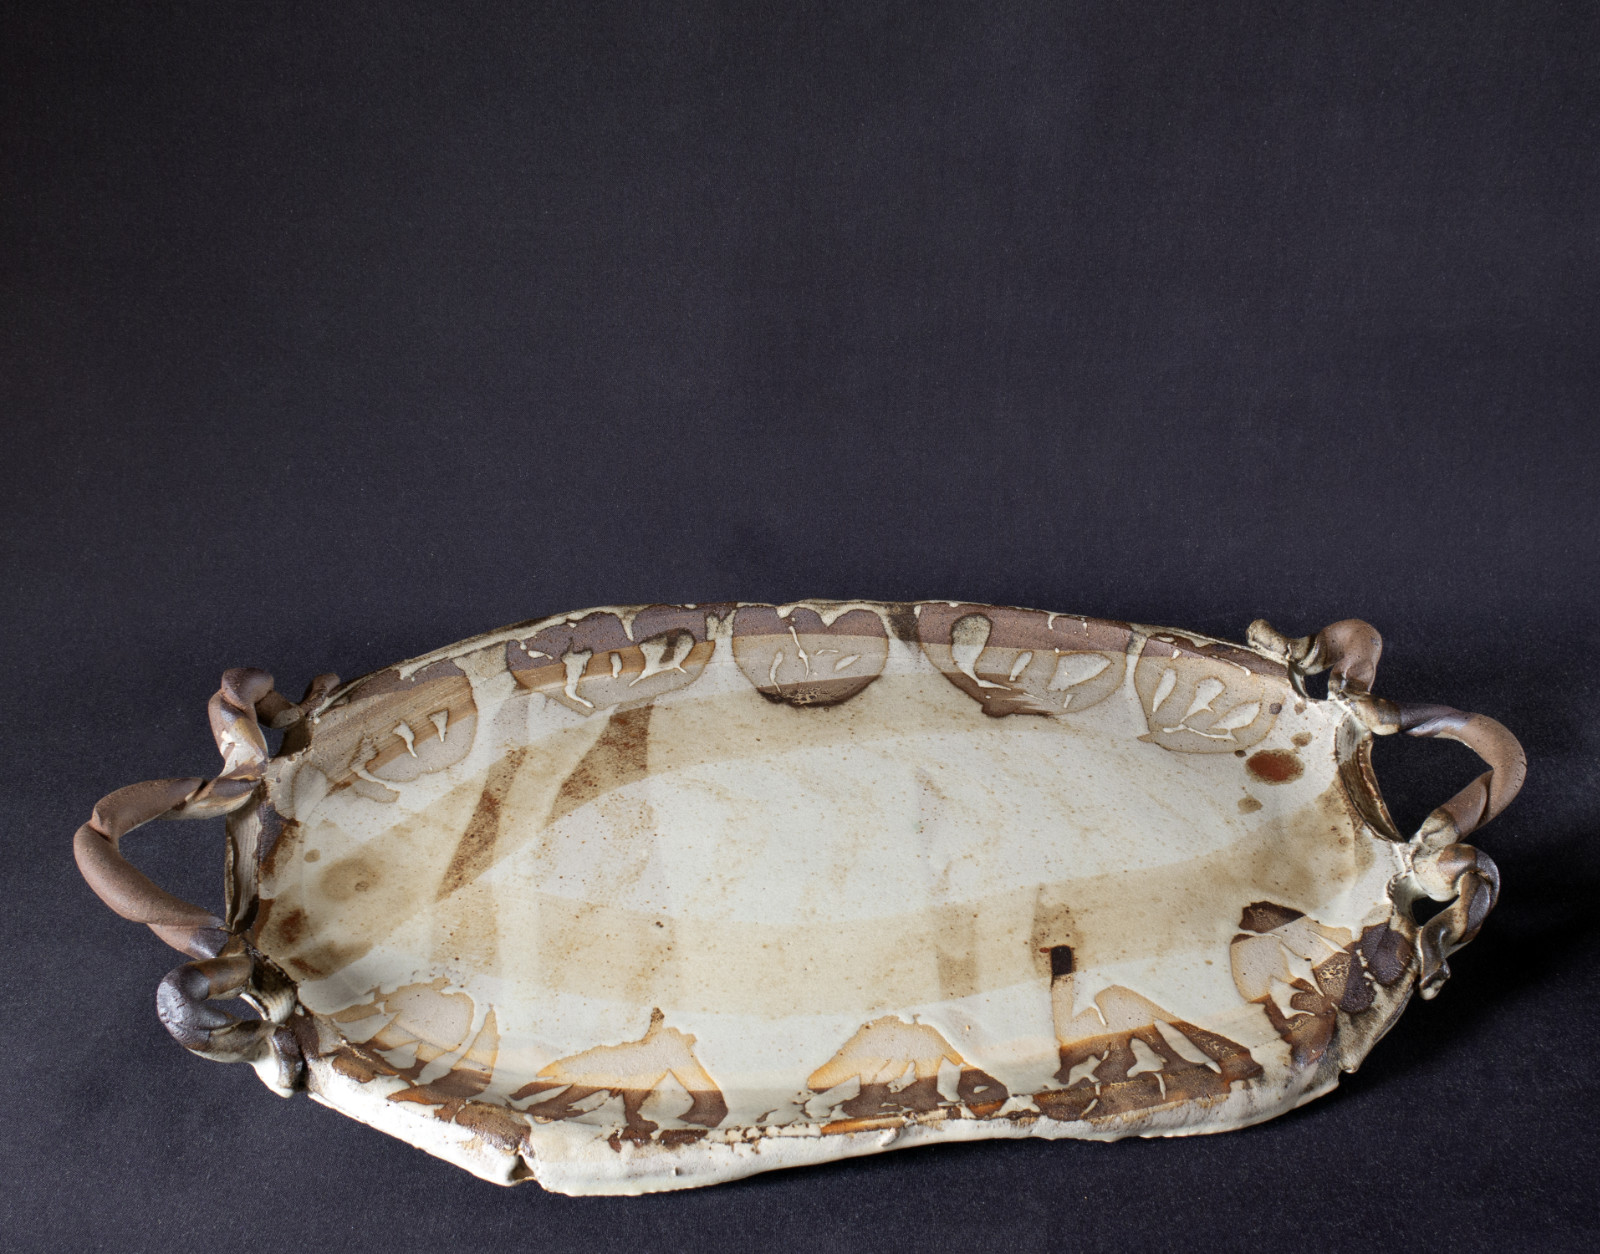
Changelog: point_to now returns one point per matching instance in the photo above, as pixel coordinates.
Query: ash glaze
(646, 898)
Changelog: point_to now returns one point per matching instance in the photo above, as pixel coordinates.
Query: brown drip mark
(1275, 766)
(504, 1129)
(1053, 933)
(620, 756)
(1386, 953)
(475, 850)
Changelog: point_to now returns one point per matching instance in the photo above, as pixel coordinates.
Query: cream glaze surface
(645, 898)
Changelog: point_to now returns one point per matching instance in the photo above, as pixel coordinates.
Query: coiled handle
(1443, 866)
(226, 967)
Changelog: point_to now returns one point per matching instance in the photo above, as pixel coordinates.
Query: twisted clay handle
(245, 697)
(184, 1000)
(1444, 867)
(1450, 870)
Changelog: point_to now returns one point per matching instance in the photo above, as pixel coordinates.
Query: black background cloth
(330, 334)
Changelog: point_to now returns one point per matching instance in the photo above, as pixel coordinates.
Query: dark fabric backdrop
(334, 333)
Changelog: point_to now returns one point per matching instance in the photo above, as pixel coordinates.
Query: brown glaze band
(1444, 868)
(243, 700)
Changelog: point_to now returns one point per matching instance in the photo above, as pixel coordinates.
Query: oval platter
(645, 898)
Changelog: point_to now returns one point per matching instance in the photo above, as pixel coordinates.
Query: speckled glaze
(645, 898)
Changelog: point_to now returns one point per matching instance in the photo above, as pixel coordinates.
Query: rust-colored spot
(350, 877)
(1248, 805)
(292, 926)
(1275, 766)
(1301, 739)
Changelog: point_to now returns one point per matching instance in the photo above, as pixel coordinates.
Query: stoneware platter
(646, 898)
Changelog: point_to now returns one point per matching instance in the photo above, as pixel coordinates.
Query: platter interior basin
(638, 898)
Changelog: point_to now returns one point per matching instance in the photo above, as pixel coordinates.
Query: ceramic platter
(645, 898)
